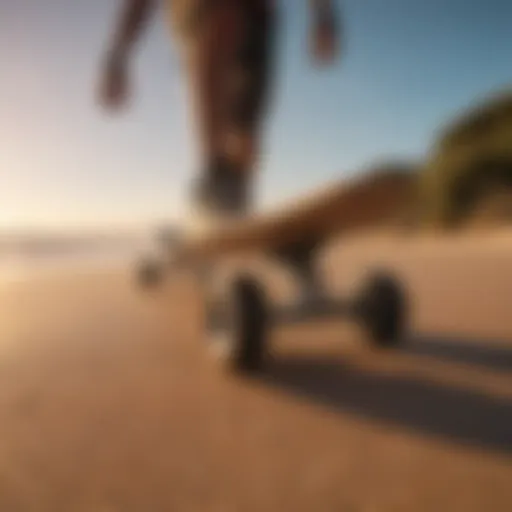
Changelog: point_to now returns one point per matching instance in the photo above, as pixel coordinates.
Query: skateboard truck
(300, 257)
(241, 316)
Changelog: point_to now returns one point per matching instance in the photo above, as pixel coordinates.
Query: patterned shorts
(228, 48)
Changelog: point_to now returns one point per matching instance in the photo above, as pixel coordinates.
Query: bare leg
(229, 73)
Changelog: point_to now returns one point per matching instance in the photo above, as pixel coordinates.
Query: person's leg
(230, 68)
(246, 88)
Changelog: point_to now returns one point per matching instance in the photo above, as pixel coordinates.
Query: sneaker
(218, 199)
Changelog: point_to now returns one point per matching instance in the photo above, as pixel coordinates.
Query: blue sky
(408, 66)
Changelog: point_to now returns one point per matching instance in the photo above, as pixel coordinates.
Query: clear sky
(408, 66)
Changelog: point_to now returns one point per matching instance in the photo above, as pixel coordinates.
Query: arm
(131, 22)
(115, 83)
(323, 12)
(325, 29)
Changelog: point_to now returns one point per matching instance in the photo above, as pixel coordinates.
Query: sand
(109, 403)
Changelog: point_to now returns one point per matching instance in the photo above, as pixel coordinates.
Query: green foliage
(472, 159)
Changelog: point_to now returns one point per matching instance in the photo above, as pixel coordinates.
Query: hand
(114, 87)
(324, 44)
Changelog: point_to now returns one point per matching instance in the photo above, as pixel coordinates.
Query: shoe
(218, 199)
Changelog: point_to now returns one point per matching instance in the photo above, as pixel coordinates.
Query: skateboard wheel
(238, 325)
(149, 274)
(382, 309)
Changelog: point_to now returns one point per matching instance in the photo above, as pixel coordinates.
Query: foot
(218, 199)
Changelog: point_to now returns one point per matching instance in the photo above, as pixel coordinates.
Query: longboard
(342, 207)
(240, 315)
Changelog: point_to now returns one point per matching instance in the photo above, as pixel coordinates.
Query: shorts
(227, 48)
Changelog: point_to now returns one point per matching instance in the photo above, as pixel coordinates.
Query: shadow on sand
(419, 405)
(488, 354)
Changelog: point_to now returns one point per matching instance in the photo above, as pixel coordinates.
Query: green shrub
(471, 159)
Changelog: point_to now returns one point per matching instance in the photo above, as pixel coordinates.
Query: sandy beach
(109, 403)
